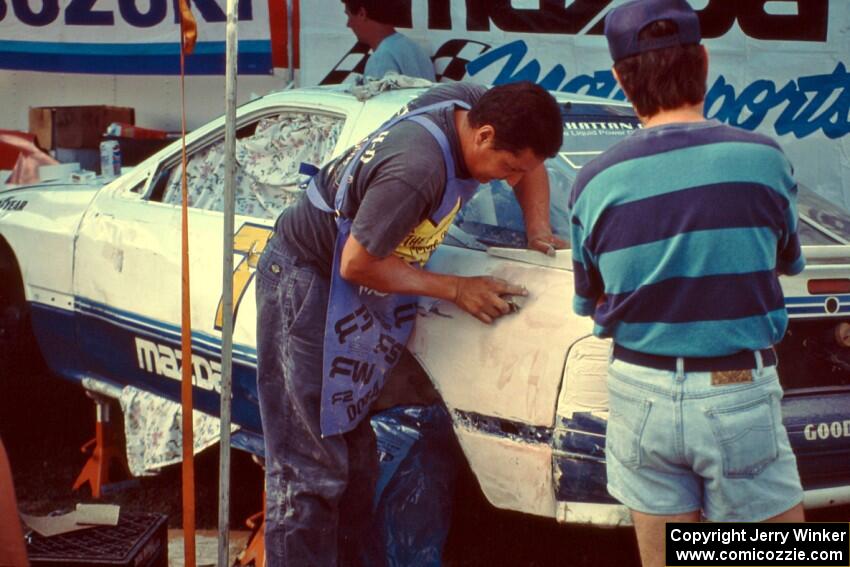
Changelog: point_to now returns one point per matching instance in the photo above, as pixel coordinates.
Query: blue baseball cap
(624, 23)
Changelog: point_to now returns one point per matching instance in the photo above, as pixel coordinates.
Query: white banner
(134, 37)
(777, 66)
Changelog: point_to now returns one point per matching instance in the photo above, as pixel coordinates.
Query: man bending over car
(336, 297)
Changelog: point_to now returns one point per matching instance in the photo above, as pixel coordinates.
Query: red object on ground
(104, 452)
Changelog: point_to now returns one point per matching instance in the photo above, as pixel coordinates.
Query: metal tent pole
(227, 285)
(290, 47)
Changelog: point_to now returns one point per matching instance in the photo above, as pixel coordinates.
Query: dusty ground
(44, 421)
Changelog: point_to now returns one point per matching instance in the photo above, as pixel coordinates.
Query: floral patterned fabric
(267, 176)
(153, 429)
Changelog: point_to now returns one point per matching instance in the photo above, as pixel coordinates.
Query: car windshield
(493, 216)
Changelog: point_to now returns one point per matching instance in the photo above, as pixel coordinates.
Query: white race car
(94, 272)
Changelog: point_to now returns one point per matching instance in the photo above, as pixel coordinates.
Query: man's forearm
(481, 296)
(393, 275)
(532, 193)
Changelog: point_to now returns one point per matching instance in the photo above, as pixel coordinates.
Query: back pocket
(746, 434)
(626, 422)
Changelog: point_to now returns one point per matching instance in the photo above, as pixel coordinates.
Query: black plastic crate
(139, 540)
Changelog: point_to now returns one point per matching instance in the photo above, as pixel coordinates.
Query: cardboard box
(75, 127)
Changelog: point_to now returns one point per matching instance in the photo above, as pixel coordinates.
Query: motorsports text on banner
(779, 67)
(130, 37)
(762, 545)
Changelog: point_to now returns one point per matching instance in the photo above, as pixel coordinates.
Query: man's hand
(546, 242)
(532, 194)
(483, 297)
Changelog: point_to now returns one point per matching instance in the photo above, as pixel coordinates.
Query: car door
(127, 265)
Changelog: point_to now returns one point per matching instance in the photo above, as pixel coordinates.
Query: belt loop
(680, 368)
(759, 362)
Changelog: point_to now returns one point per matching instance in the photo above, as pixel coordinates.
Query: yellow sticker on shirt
(420, 243)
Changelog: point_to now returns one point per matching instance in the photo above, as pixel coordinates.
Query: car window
(493, 217)
(268, 156)
(821, 221)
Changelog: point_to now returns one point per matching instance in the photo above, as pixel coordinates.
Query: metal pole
(227, 287)
(290, 39)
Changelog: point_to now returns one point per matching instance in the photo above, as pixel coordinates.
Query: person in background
(371, 22)
(679, 234)
(13, 550)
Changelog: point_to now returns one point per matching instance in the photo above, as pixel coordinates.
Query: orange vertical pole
(188, 35)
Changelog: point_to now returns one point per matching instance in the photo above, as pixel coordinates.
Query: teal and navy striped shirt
(678, 233)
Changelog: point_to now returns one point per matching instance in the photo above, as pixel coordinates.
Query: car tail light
(828, 286)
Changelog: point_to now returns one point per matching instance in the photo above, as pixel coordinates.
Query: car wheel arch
(16, 338)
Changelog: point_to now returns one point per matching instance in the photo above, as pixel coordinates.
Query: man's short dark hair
(663, 79)
(382, 11)
(523, 115)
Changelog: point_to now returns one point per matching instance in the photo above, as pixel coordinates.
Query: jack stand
(255, 550)
(103, 451)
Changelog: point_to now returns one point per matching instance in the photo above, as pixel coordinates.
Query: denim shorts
(677, 444)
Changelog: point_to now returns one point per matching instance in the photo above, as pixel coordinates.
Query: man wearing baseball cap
(679, 234)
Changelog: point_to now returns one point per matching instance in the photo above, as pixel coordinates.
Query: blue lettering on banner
(124, 58)
(83, 13)
(132, 15)
(601, 84)
(80, 13)
(48, 13)
(804, 99)
(804, 114)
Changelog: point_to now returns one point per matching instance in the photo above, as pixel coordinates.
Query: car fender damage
(506, 455)
(517, 361)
